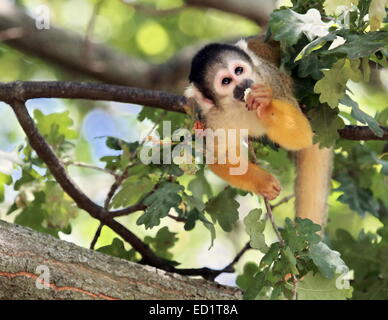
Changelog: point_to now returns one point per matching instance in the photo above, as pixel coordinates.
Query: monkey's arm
(282, 120)
(286, 125)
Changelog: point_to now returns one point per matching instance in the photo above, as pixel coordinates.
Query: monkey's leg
(255, 179)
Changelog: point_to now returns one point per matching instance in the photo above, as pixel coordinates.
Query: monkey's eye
(226, 81)
(238, 70)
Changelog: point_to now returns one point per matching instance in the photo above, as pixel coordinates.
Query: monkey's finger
(249, 102)
(262, 92)
(258, 85)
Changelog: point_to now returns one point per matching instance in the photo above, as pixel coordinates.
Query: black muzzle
(239, 91)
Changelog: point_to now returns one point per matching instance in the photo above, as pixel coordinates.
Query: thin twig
(112, 191)
(270, 217)
(211, 274)
(90, 166)
(178, 219)
(294, 287)
(284, 200)
(238, 256)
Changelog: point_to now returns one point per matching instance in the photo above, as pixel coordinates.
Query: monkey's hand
(259, 98)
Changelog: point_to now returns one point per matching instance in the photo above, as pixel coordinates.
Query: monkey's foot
(270, 189)
(259, 98)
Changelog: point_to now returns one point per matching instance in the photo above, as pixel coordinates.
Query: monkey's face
(232, 79)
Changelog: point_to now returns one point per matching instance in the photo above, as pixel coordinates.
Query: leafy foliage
(316, 287)
(366, 255)
(298, 264)
(255, 226)
(159, 204)
(223, 209)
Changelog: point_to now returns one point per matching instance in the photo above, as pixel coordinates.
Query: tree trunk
(38, 266)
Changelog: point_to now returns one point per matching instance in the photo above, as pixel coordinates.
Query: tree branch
(256, 10)
(73, 272)
(352, 132)
(152, 98)
(91, 91)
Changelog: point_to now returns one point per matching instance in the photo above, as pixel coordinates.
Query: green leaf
(4, 179)
(55, 127)
(117, 249)
(359, 199)
(162, 242)
(257, 284)
(131, 190)
(316, 287)
(288, 26)
(315, 45)
(310, 66)
(325, 123)
(333, 84)
(28, 175)
(159, 204)
(328, 261)
(271, 255)
(290, 259)
(245, 279)
(35, 214)
(360, 45)
(255, 226)
(199, 186)
(361, 116)
(224, 209)
(59, 207)
(366, 255)
(300, 234)
(157, 116)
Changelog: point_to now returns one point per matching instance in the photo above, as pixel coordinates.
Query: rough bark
(78, 273)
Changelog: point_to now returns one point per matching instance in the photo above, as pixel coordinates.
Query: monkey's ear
(192, 92)
(243, 45)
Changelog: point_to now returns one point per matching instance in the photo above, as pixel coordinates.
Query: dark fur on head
(212, 54)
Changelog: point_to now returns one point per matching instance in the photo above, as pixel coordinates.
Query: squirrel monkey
(239, 87)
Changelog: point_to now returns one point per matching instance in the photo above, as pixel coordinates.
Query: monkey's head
(220, 73)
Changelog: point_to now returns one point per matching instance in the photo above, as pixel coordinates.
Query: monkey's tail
(312, 183)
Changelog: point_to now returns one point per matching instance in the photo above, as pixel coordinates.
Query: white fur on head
(193, 93)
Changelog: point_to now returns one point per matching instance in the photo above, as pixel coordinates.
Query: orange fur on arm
(286, 125)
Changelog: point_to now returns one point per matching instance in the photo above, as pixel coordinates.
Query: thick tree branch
(352, 132)
(91, 91)
(73, 272)
(256, 10)
(152, 98)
